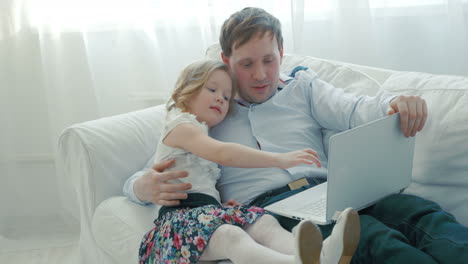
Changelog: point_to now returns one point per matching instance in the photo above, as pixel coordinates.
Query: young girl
(201, 228)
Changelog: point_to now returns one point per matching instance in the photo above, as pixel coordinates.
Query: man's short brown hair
(241, 26)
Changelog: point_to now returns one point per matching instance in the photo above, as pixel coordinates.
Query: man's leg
(426, 226)
(378, 243)
(381, 244)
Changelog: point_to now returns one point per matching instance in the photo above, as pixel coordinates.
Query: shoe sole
(310, 244)
(352, 233)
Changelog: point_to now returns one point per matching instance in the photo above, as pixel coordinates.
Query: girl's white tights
(265, 241)
(268, 232)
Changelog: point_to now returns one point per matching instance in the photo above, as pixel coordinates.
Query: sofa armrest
(99, 156)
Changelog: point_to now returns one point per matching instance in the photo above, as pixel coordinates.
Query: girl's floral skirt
(181, 235)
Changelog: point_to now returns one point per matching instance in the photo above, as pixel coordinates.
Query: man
(283, 114)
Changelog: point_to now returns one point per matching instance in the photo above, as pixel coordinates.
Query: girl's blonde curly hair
(192, 78)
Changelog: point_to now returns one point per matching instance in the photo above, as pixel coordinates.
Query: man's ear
(281, 54)
(225, 59)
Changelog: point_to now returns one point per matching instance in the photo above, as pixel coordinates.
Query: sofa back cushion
(440, 168)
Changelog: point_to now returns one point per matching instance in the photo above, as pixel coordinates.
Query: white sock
(232, 242)
(268, 232)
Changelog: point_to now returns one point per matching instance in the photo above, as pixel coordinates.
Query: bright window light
(92, 14)
(403, 3)
(105, 14)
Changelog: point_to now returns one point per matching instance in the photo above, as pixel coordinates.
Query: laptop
(365, 164)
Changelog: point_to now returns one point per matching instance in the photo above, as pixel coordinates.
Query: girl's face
(211, 103)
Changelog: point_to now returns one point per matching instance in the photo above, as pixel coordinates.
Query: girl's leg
(232, 242)
(268, 232)
(306, 243)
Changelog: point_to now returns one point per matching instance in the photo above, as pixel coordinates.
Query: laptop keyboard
(316, 208)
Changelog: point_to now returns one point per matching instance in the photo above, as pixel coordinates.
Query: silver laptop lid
(368, 163)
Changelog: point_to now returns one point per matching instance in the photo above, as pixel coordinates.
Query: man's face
(256, 66)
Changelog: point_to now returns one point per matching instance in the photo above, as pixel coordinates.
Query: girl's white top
(203, 174)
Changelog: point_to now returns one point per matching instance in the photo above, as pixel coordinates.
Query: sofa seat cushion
(119, 225)
(440, 168)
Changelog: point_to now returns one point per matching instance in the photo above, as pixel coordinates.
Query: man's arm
(357, 110)
(153, 186)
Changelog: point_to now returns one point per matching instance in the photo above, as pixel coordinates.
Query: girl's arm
(191, 138)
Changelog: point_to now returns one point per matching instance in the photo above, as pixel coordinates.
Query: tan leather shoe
(308, 243)
(340, 246)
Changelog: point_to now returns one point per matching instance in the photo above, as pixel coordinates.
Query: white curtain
(69, 61)
(411, 35)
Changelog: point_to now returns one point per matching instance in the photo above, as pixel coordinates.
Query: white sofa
(98, 156)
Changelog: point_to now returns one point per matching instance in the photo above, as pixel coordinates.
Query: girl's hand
(295, 158)
(232, 203)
